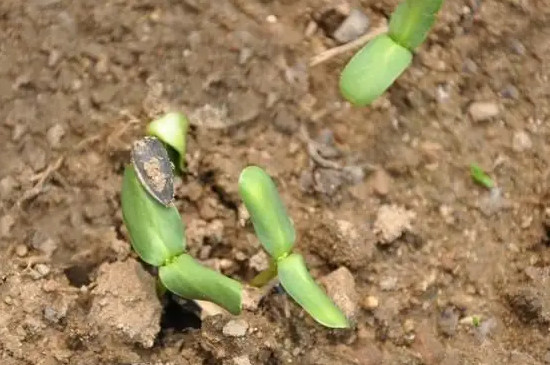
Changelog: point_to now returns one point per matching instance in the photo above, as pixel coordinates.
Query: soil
(458, 275)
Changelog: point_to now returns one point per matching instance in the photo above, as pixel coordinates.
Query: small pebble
(391, 222)
(521, 141)
(355, 25)
(54, 135)
(244, 55)
(381, 182)
(235, 328)
(388, 284)
(21, 250)
(517, 47)
(241, 360)
(483, 110)
(409, 325)
(6, 224)
(510, 92)
(42, 269)
(370, 302)
(7, 185)
(340, 286)
(469, 66)
(18, 132)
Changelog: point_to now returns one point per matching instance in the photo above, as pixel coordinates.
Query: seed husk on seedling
(374, 68)
(276, 233)
(156, 230)
(154, 169)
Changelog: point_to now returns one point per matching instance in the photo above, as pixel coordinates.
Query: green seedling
(480, 177)
(171, 129)
(156, 230)
(276, 233)
(376, 66)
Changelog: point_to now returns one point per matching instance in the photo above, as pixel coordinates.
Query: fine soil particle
(384, 192)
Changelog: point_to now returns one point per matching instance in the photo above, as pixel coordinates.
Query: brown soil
(459, 275)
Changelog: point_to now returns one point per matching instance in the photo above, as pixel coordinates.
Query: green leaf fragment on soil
(479, 176)
(156, 231)
(298, 283)
(187, 278)
(373, 70)
(267, 212)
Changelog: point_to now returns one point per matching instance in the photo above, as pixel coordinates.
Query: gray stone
(355, 25)
(235, 328)
(483, 110)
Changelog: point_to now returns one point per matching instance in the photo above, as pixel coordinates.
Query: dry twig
(329, 53)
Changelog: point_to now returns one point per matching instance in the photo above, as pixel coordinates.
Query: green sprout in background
(156, 230)
(276, 233)
(376, 66)
(479, 176)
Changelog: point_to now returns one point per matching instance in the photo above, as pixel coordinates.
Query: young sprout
(171, 129)
(376, 66)
(479, 176)
(155, 227)
(276, 233)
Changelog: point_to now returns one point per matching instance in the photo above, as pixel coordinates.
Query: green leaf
(171, 129)
(299, 284)
(156, 231)
(189, 279)
(373, 70)
(267, 213)
(412, 20)
(480, 177)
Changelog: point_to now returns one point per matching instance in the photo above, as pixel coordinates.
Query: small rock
(428, 346)
(340, 286)
(510, 92)
(517, 47)
(341, 242)
(235, 328)
(18, 132)
(409, 325)
(241, 360)
(54, 135)
(43, 243)
(546, 357)
(355, 25)
(42, 269)
(448, 322)
(521, 141)
(483, 110)
(6, 224)
(21, 250)
(51, 315)
(469, 66)
(381, 182)
(391, 222)
(260, 261)
(34, 155)
(244, 55)
(388, 283)
(530, 304)
(125, 303)
(285, 122)
(370, 302)
(7, 185)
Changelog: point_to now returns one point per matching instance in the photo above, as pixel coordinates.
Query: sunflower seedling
(376, 66)
(156, 230)
(276, 233)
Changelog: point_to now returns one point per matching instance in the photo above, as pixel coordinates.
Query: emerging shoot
(155, 227)
(276, 233)
(376, 66)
